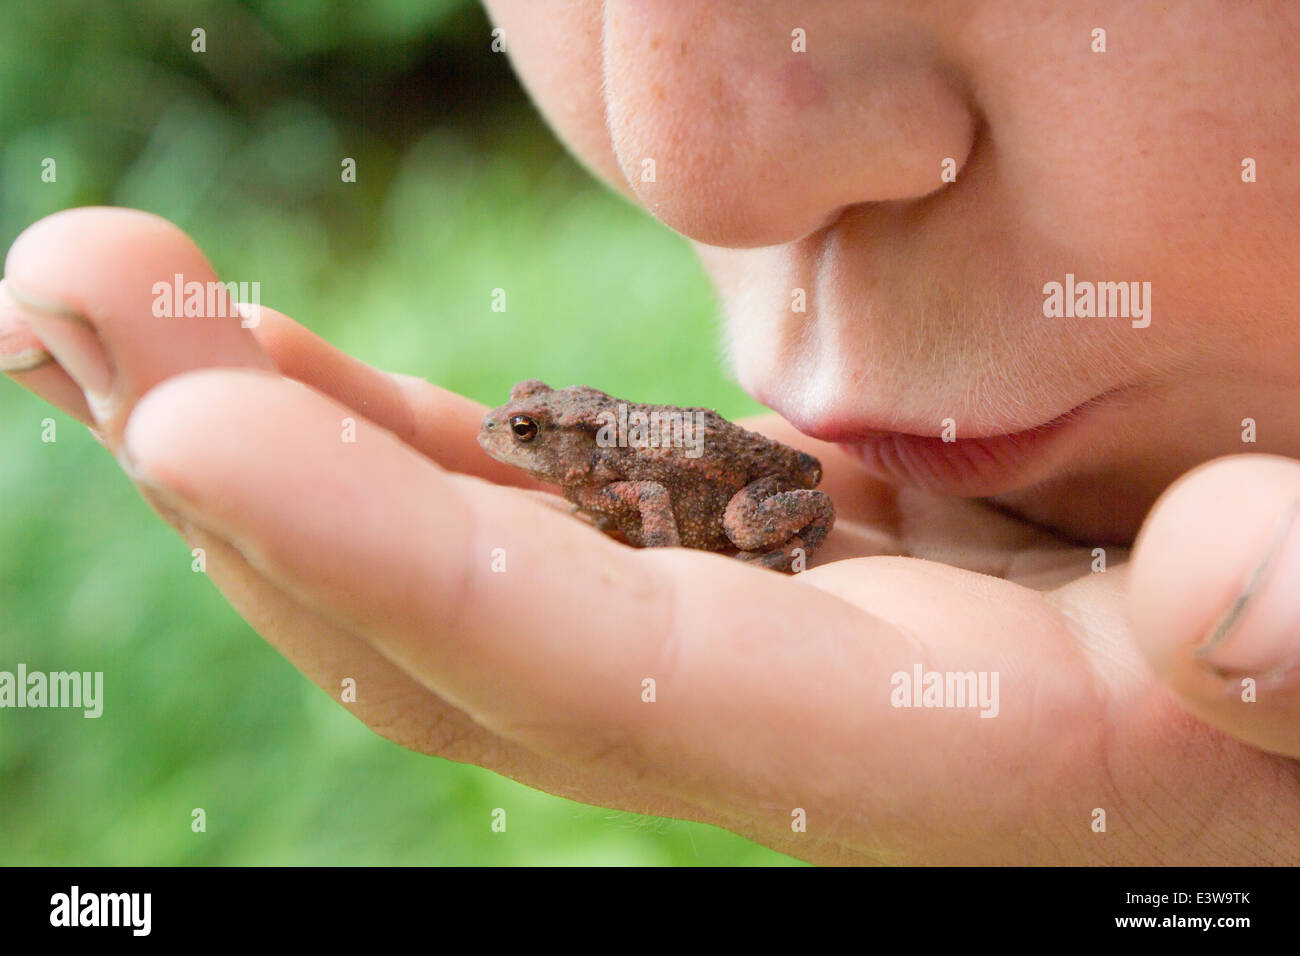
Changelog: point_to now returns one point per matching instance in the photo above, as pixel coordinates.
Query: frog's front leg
(649, 500)
(770, 525)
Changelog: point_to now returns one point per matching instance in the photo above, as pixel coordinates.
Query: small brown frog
(663, 476)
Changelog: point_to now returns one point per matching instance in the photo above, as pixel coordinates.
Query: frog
(663, 476)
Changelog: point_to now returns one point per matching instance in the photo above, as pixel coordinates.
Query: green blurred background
(461, 190)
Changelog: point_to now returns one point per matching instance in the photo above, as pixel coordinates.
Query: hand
(373, 560)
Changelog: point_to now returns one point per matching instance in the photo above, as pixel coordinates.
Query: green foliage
(460, 191)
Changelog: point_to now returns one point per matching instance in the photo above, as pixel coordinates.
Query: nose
(736, 131)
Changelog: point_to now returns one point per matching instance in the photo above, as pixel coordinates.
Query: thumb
(1215, 596)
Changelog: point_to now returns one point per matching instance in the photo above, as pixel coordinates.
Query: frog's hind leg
(774, 527)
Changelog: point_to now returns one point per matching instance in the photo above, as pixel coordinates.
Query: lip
(967, 467)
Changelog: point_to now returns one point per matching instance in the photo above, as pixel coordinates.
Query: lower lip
(969, 467)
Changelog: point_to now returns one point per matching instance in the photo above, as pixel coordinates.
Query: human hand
(373, 560)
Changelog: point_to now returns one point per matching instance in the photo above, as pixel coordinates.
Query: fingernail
(20, 349)
(143, 477)
(177, 508)
(166, 500)
(72, 340)
(13, 361)
(1260, 631)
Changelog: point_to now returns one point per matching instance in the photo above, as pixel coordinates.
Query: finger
(26, 360)
(393, 704)
(441, 424)
(553, 650)
(436, 422)
(99, 330)
(1216, 596)
(388, 699)
(86, 283)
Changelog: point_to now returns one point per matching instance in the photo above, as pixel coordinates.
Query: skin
(818, 173)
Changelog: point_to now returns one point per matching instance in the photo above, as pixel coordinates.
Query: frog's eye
(525, 428)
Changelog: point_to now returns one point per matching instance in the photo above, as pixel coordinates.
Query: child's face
(817, 174)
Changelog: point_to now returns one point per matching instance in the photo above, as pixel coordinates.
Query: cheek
(555, 47)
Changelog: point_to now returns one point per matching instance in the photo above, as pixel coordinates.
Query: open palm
(478, 624)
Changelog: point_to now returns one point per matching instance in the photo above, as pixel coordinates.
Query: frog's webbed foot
(774, 528)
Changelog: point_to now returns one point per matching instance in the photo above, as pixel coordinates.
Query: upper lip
(846, 432)
(847, 429)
